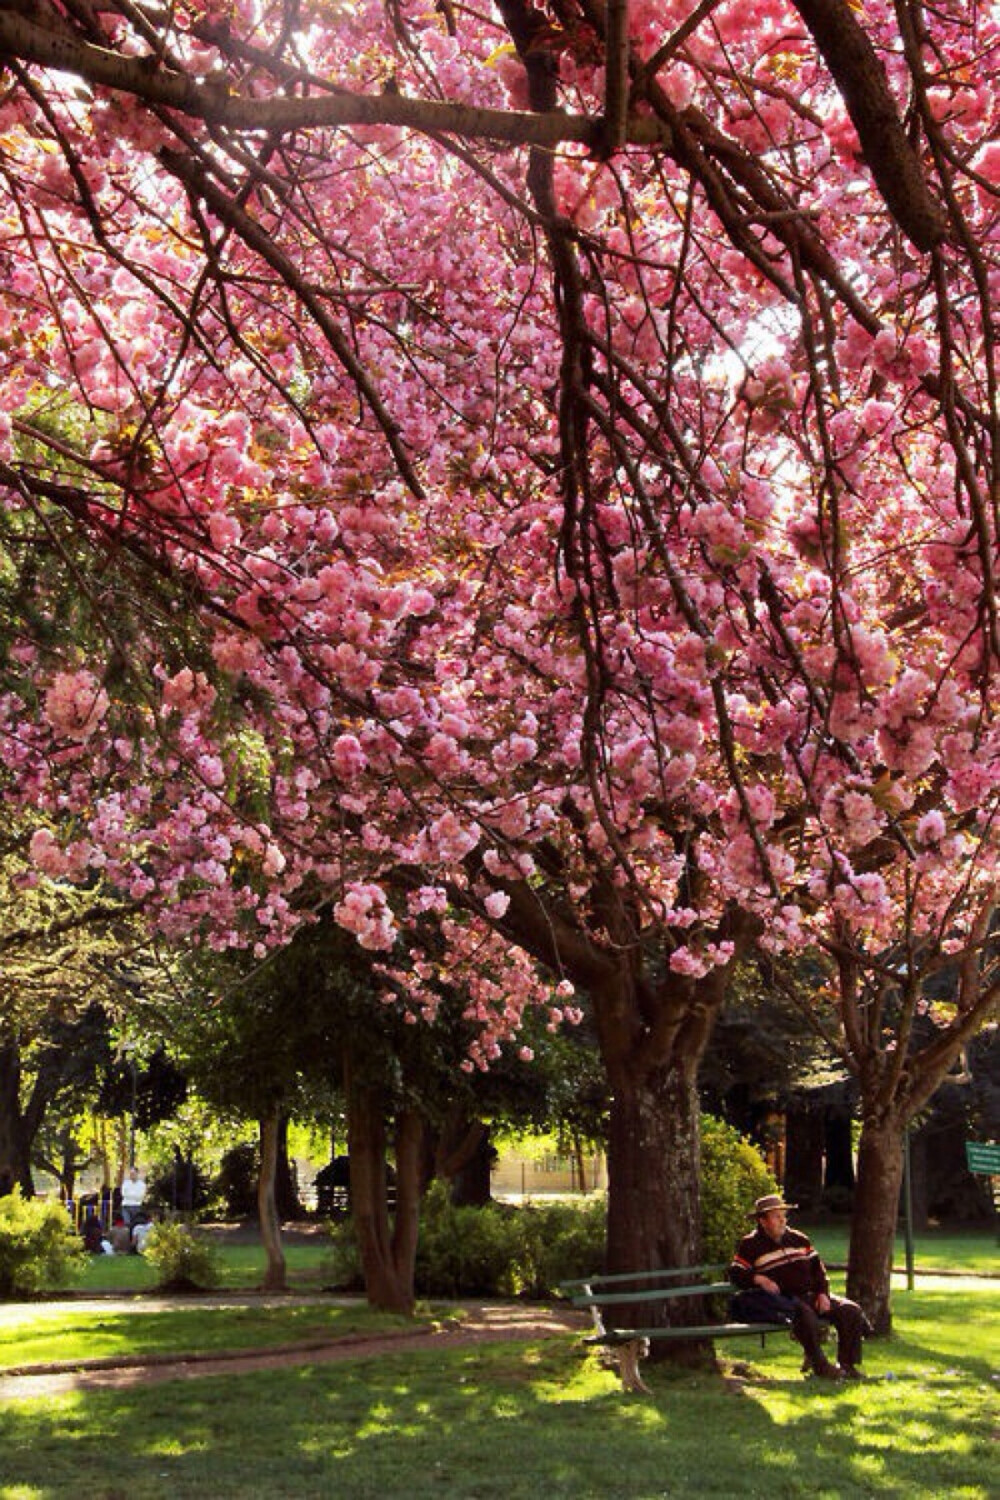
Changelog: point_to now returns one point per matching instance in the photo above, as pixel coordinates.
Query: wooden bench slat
(609, 1299)
(604, 1292)
(669, 1273)
(699, 1331)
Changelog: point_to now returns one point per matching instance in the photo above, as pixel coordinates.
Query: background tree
(66, 952)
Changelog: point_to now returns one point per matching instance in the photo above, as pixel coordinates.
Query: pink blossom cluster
(748, 661)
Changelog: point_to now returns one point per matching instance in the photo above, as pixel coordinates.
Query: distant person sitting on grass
(782, 1279)
(120, 1237)
(94, 1240)
(140, 1234)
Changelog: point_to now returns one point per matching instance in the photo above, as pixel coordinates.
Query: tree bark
(654, 1207)
(653, 1026)
(873, 1221)
(15, 1140)
(275, 1279)
(654, 1214)
(387, 1258)
(460, 1150)
(410, 1184)
(286, 1195)
(580, 1157)
(652, 1041)
(471, 1184)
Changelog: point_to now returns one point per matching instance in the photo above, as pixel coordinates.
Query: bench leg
(629, 1356)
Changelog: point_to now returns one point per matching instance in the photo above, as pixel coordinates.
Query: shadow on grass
(503, 1420)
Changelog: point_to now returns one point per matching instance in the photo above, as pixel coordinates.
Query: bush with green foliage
(183, 1261)
(733, 1175)
(180, 1187)
(497, 1250)
(235, 1183)
(503, 1250)
(39, 1250)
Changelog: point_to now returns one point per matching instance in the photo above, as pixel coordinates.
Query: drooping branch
(257, 239)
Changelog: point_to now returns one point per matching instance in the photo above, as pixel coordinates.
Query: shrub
(733, 1174)
(496, 1251)
(235, 1183)
(340, 1267)
(556, 1242)
(180, 1187)
(503, 1250)
(39, 1250)
(183, 1262)
(509, 1251)
(463, 1251)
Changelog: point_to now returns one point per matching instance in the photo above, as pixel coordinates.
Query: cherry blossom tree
(529, 468)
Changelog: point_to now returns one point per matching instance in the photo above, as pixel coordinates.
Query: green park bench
(603, 1295)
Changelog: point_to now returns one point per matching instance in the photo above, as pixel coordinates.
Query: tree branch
(211, 101)
(861, 79)
(230, 212)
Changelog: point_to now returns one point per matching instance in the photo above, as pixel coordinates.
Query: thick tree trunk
(15, 1142)
(471, 1186)
(410, 1183)
(654, 1215)
(873, 1222)
(275, 1279)
(388, 1267)
(654, 1198)
(653, 1025)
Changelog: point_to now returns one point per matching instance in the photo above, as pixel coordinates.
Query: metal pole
(908, 1209)
(135, 1087)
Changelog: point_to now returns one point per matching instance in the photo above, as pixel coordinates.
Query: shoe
(851, 1372)
(826, 1371)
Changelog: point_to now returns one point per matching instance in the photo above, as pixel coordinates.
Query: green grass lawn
(241, 1261)
(974, 1252)
(533, 1419)
(53, 1333)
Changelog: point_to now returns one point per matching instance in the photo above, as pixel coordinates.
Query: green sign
(982, 1158)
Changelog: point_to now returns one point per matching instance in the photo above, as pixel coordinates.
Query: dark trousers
(758, 1306)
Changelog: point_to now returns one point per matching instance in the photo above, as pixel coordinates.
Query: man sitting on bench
(781, 1277)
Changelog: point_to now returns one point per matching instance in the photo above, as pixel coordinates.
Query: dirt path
(478, 1324)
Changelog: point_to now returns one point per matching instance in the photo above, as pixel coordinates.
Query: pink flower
(931, 828)
(496, 904)
(349, 758)
(365, 912)
(75, 704)
(686, 961)
(47, 854)
(224, 530)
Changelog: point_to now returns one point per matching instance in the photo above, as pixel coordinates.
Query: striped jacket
(791, 1262)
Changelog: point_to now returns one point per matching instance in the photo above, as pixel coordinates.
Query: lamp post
(908, 1209)
(129, 1051)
